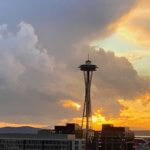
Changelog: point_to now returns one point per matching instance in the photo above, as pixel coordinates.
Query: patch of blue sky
(142, 66)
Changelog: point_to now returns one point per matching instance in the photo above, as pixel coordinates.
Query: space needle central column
(87, 69)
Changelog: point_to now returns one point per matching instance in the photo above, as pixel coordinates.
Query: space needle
(87, 69)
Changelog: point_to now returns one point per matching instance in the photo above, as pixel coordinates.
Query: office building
(43, 140)
(71, 128)
(116, 138)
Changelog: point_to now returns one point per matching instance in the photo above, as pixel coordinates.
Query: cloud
(43, 80)
(140, 110)
(136, 111)
(97, 120)
(34, 79)
(19, 51)
(70, 104)
(136, 28)
(5, 124)
(135, 55)
(20, 57)
(63, 24)
(115, 78)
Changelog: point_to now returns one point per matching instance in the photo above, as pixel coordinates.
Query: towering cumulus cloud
(20, 52)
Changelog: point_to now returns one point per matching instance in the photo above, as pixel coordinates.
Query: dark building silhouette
(116, 138)
(96, 140)
(70, 128)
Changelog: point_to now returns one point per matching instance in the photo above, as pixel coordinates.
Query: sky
(42, 44)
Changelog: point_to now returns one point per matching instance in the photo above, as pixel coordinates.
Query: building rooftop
(37, 136)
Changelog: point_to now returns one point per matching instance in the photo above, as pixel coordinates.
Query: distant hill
(23, 129)
(28, 129)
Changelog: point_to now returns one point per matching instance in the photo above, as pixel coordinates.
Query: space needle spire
(87, 69)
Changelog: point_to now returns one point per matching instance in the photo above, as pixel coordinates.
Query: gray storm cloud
(33, 79)
(62, 24)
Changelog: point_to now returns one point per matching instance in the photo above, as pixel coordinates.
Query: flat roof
(37, 136)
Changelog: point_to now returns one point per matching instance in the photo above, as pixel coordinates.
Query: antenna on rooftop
(88, 57)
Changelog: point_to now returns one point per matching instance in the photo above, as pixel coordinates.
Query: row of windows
(50, 148)
(12, 144)
(34, 147)
(11, 141)
(34, 142)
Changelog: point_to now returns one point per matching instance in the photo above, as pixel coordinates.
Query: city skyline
(43, 42)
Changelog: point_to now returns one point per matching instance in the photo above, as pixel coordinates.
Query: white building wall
(78, 144)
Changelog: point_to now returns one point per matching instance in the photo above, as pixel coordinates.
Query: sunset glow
(71, 104)
(42, 47)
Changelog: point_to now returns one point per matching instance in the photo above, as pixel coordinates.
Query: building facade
(116, 138)
(40, 142)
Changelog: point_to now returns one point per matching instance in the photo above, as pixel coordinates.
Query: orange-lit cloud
(115, 26)
(137, 27)
(96, 121)
(70, 104)
(134, 113)
(134, 26)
